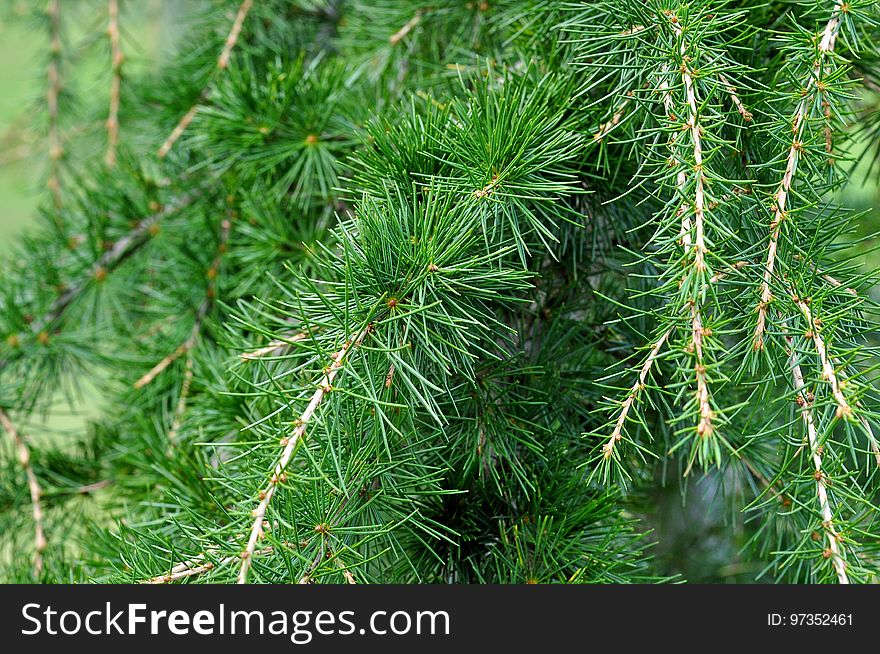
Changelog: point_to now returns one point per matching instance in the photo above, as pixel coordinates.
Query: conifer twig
(349, 577)
(196, 566)
(24, 458)
(833, 552)
(273, 346)
(180, 409)
(836, 283)
(278, 475)
(734, 98)
(606, 127)
(693, 125)
(116, 59)
(190, 343)
(828, 372)
(704, 427)
(866, 425)
(159, 367)
(121, 250)
(681, 176)
(698, 331)
(53, 91)
(826, 46)
(721, 274)
(222, 63)
(400, 34)
(617, 433)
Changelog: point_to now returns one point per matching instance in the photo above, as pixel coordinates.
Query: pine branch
(833, 551)
(866, 425)
(349, 577)
(53, 90)
(693, 124)
(196, 566)
(606, 127)
(204, 308)
(116, 59)
(400, 34)
(734, 98)
(681, 175)
(704, 427)
(278, 475)
(274, 346)
(617, 433)
(24, 458)
(222, 64)
(780, 214)
(180, 409)
(843, 408)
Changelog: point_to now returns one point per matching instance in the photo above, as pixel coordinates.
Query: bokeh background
(692, 529)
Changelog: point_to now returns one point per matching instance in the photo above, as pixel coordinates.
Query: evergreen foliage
(442, 292)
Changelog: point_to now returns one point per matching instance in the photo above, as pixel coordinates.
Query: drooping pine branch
(53, 91)
(813, 84)
(833, 551)
(290, 444)
(24, 458)
(116, 60)
(222, 64)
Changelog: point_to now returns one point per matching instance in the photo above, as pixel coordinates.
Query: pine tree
(444, 291)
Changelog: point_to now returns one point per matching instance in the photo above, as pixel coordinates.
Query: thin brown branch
(721, 274)
(389, 377)
(734, 98)
(306, 577)
(180, 409)
(828, 372)
(91, 488)
(116, 59)
(826, 46)
(837, 284)
(617, 433)
(53, 91)
(205, 306)
(191, 342)
(769, 484)
(606, 127)
(833, 552)
(196, 566)
(222, 64)
(681, 176)
(488, 188)
(24, 458)
(704, 427)
(278, 475)
(159, 367)
(693, 126)
(349, 577)
(273, 347)
(181, 126)
(866, 425)
(698, 330)
(400, 34)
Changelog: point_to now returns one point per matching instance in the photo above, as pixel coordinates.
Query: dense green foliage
(445, 291)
